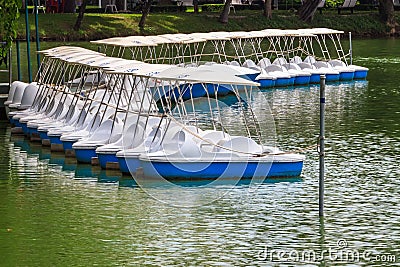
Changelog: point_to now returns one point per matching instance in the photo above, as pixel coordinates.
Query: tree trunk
(145, 13)
(268, 9)
(307, 10)
(386, 13)
(79, 19)
(223, 18)
(119, 4)
(196, 6)
(69, 6)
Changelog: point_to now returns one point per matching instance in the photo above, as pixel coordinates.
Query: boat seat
(264, 63)
(321, 64)
(133, 135)
(337, 63)
(272, 68)
(102, 132)
(210, 137)
(28, 96)
(18, 94)
(296, 59)
(309, 59)
(242, 144)
(280, 61)
(13, 88)
(249, 63)
(305, 65)
(292, 66)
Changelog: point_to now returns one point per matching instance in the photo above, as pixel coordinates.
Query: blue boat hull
(105, 158)
(346, 76)
(265, 83)
(55, 140)
(43, 135)
(251, 77)
(220, 89)
(32, 130)
(302, 80)
(315, 78)
(17, 123)
(185, 92)
(220, 170)
(67, 145)
(124, 162)
(123, 166)
(282, 82)
(360, 74)
(332, 77)
(24, 127)
(85, 155)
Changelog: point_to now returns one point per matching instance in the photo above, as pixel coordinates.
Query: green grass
(97, 26)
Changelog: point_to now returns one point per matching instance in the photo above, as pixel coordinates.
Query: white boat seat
(305, 65)
(309, 59)
(264, 63)
(272, 68)
(292, 66)
(321, 64)
(280, 61)
(337, 63)
(296, 59)
(242, 144)
(249, 63)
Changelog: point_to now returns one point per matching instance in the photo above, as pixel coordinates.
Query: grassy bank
(58, 27)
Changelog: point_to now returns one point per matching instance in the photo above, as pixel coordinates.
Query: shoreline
(58, 27)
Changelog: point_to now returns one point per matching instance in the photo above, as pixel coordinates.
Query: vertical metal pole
(351, 50)
(321, 145)
(18, 61)
(37, 34)
(28, 41)
(9, 69)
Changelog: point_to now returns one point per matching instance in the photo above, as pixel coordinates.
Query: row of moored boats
(144, 117)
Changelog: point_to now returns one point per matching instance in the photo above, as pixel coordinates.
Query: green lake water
(54, 212)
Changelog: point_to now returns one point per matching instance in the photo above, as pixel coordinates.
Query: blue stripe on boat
(85, 155)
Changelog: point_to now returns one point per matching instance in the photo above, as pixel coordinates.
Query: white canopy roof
(203, 75)
(180, 38)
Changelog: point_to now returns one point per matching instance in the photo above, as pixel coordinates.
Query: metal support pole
(28, 42)
(9, 69)
(18, 61)
(351, 50)
(321, 145)
(37, 34)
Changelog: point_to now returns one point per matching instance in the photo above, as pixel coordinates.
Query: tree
(386, 13)
(79, 19)
(268, 9)
(145, 13)
(9, 14)
(307, 10)
(223, 18)
(196, 6)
